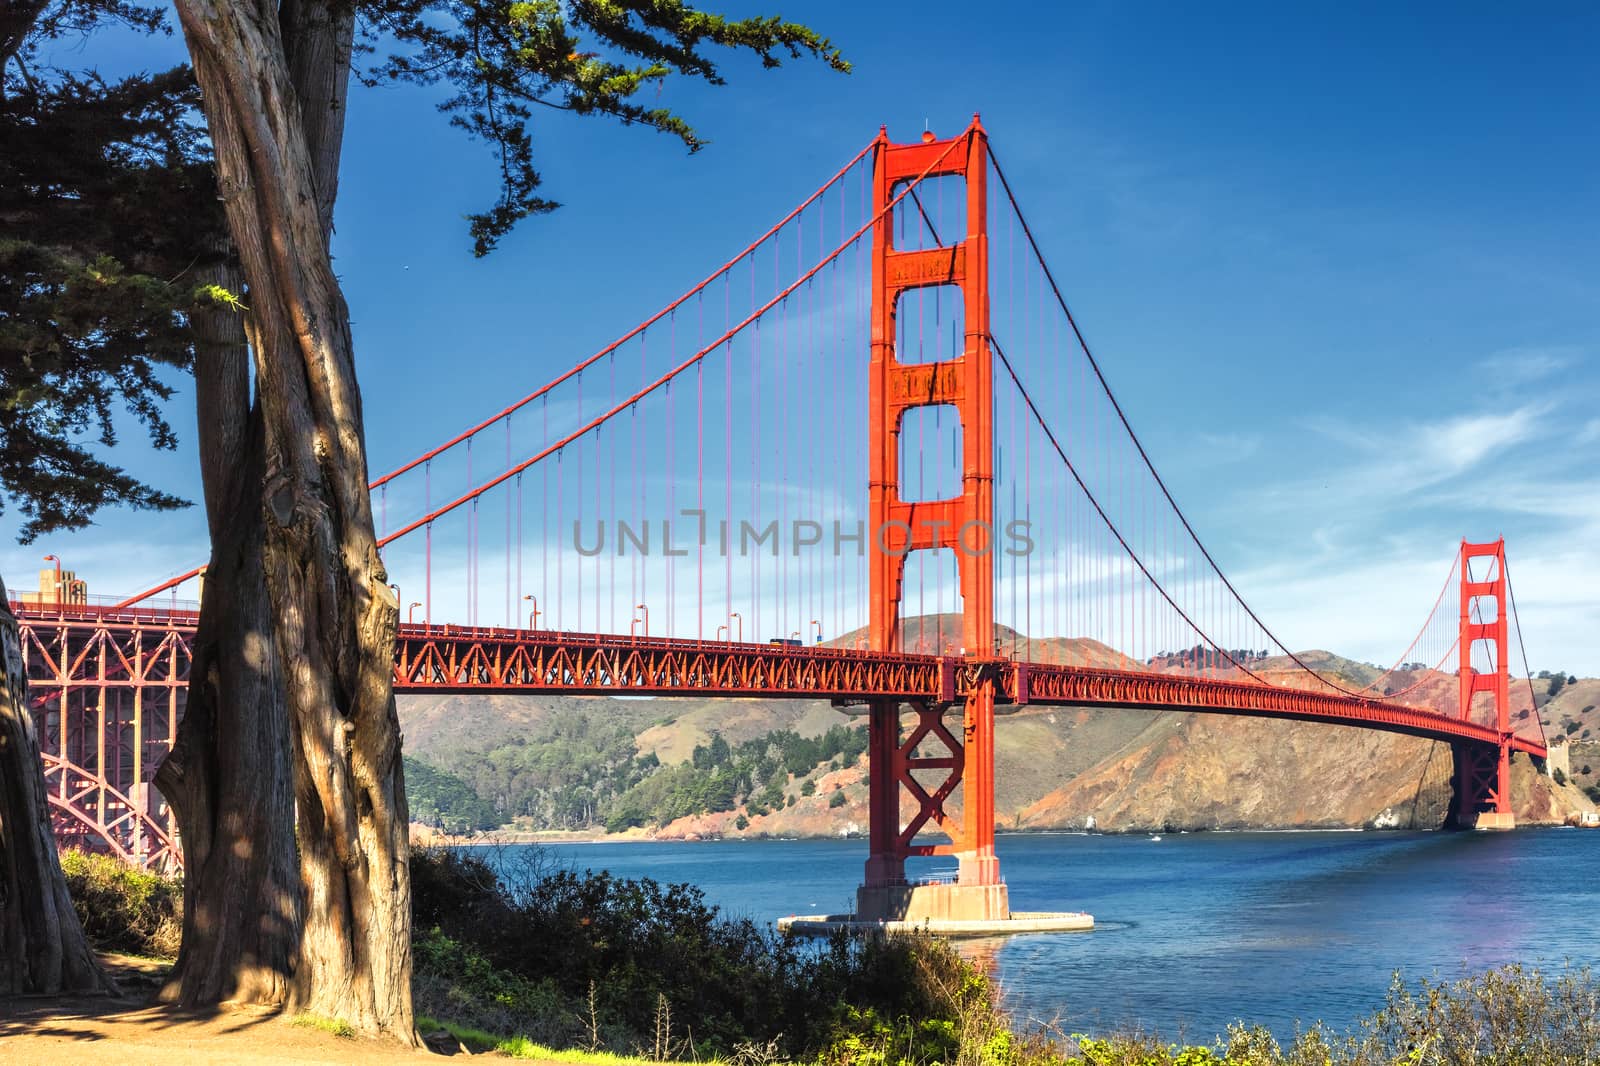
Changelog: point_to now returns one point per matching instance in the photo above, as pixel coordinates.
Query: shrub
(122, 908)
(1560, 778)
(623, 965)
(808, 787)
(837, 799)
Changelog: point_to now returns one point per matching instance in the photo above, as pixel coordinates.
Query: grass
(332, 1026)
(520, 1047)
(124, 909)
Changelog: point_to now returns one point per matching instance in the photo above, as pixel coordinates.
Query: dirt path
(112, 1032)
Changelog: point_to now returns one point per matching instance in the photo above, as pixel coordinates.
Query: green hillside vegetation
(444, 801)
(586, 772)
(720, 777)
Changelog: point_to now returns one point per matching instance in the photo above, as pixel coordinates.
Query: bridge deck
(448, 658)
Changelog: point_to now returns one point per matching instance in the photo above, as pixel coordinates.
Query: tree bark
(229, 777)
(42, 946)
(334, 618)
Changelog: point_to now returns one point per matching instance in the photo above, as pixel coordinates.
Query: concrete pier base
(1018, 922)
(933, 903)
(953, 910)
(1495, 821)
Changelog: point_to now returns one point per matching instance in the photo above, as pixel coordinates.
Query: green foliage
(1560, 778)
(588, 961)
(444, 801)
(808, 787)
(1506, 1017)
(109, 205)
(122, 908)
(1572, 727)
(837, 799)
(1558, 680)
(502, 58)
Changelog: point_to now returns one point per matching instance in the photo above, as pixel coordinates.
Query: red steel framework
(106, 694)
(1483, 774)
(965, 383)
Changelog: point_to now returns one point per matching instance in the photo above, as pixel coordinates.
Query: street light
(56, 595)
(398, 599)
(411, 612)
(720, 630)
(735, 614)
(795, 635)
(819, 630)
(646, 610)
(534, 614)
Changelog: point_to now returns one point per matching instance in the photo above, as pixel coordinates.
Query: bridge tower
(961, 523)
(1482, 779)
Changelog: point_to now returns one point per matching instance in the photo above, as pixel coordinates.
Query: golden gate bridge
(879, 413)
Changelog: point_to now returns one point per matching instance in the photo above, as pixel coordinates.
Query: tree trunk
(228, 776)
(334, 618)
(42, 947)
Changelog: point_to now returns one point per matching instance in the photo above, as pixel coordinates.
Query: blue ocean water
(1195, 930)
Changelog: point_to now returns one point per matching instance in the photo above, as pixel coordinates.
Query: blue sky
(1341, 264)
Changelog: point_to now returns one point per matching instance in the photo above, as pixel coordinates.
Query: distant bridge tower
(1482, 779)
(962, 523)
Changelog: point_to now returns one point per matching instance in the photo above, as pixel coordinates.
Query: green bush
(122, 908)
(632, 966)
(837, 799)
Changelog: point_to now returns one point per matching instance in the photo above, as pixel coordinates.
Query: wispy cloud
(1428, 453)
(1523, 365)
(1229, 447)
(1456, 445)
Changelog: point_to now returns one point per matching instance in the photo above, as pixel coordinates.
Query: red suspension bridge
(879, 415)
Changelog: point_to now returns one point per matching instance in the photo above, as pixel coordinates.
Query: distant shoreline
(425, 836)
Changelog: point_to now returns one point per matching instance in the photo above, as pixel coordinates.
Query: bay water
(1195, 930)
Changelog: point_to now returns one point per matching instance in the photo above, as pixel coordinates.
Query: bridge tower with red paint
(961, 523)
(1482, 778)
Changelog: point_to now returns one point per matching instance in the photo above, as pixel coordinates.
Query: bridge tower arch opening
(1482, 774)
(901, 383)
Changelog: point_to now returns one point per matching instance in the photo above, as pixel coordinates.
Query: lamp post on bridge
(646, 611)
(411, 612)
(818, 624)
(720, 631)
(533, 615)
(56, 594)
(735, 615)
(398, 599)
